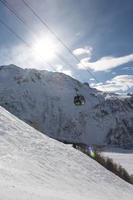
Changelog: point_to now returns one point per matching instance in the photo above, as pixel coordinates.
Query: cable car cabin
(79, 100)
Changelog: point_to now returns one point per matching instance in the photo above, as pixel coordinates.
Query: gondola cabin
(79, 100)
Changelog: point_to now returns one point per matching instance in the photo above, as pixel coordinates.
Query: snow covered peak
(33, 166)
(44, 100)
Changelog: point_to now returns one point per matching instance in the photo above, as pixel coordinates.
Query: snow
(45, 101)
(33, 166)
(123, 157)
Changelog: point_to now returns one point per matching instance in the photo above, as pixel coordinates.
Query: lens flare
(91, 152)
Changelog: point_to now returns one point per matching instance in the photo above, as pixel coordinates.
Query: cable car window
(79, 100)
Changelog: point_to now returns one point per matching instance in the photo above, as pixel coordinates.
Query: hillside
(44, 100)
(33, 166)
(123, 157)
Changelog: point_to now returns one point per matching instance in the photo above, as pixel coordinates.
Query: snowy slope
(45, 100)
(33, 166)
(123, 157)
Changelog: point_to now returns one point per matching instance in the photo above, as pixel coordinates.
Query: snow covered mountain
(33, 166)
(45, 100)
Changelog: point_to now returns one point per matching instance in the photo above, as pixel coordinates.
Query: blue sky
(99, 32)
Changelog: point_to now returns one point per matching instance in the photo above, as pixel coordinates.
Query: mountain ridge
(44, 100)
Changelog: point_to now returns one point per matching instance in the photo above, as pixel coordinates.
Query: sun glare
(45, 48)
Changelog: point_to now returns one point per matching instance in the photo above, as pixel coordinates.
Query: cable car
(79, 100)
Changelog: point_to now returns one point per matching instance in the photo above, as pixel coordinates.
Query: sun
(45, 48)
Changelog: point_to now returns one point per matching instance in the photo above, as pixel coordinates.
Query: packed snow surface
(45, 101)
(33, 166)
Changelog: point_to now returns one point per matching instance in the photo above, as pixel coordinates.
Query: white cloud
(22, 56)
(105, 63)
(59, 68)
(82, 51)
(68, 72)
(118, 83)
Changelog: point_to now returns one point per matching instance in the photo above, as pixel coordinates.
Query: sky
(98, 32)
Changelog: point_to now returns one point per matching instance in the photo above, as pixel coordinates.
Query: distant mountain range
(44, 100)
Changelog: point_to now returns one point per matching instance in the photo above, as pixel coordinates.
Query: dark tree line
(108, 163)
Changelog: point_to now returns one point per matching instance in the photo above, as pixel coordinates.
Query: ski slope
(33, 166)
